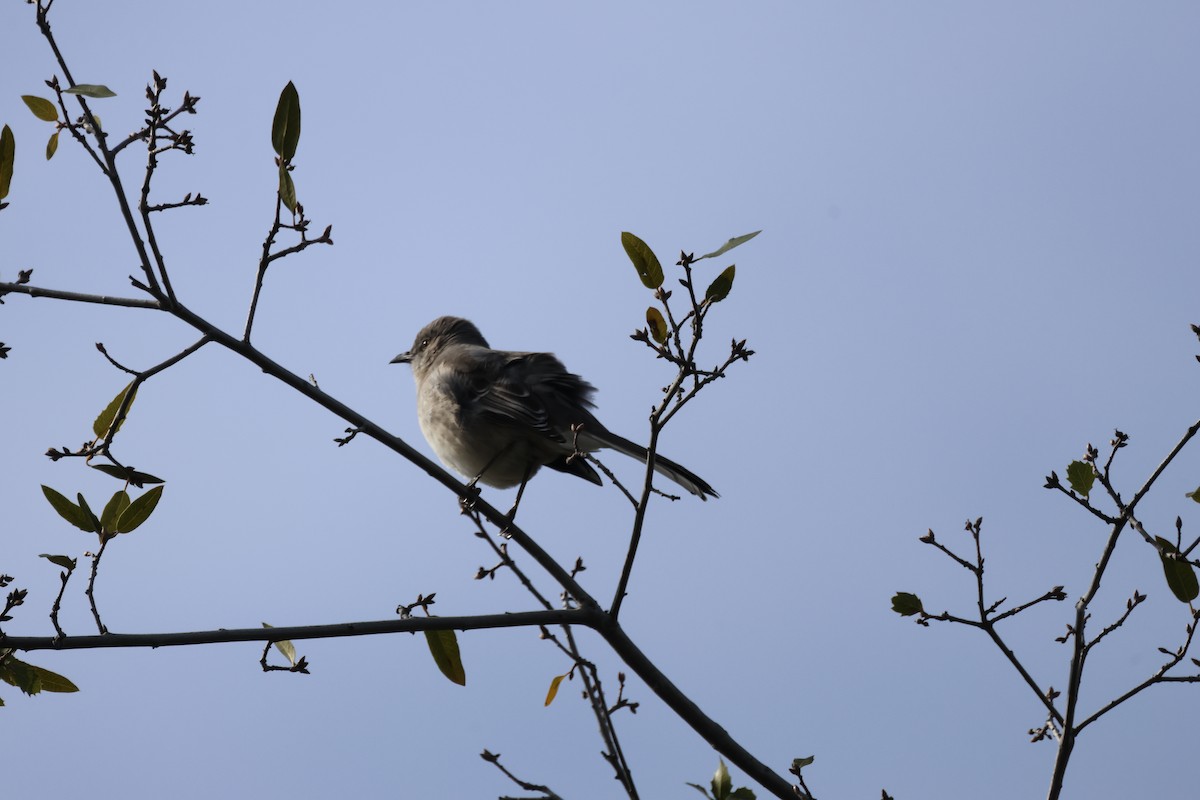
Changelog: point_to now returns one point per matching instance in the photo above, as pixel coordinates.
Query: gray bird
(497, 416)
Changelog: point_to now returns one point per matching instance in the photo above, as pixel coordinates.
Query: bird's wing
(534, 390)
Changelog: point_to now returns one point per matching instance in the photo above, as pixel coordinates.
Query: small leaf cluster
(30, 678)
(120, 515)
(285, 138)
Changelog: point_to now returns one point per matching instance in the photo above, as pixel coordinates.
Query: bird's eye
(424, 344)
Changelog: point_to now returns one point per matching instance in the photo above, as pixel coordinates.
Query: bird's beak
(403, 358)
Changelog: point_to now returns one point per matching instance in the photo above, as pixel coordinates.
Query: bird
(498, 416)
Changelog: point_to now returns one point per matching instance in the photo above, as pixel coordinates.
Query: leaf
(88, 514)
(550, 695)
(1081, 475)
(732, 243)
(1181, 577)
(114, 509)
(741, 793)
(285, 130)
(285, 647)
(800, 763)
(721, 782)
(42, 108)
(444, 647)
(67, 510)
(718, 290)
(16, 672)
(134, 477)
(287, 189)
(66, 562)
(52, 145)
(1194, 495)
(32, 679)
(658, 325)
(105, 420)
(699, 789)
(644, 260)
(138, 511)
(52, 681)
(96, 90)
(906, 604)
(8, 156)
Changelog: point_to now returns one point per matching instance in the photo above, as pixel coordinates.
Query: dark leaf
(285, 130)
(444, 647)
(287, 189)
(906, 604)
(658, 325)
(113, 510)
(718, 290)
(1181, 577)
(52, 145)
(66, 562)
(644, 261)
(67, 510)
(134, 477)
(91, 518)
(138, 511)
(8, 155)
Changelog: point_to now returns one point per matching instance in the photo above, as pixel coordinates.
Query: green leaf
(16, 672)
(32, 679)
(741, 793)
(732, 243)
(700, 789)
(718, 290)
(1181, 577)
(134, 477)
(138, 511)
(8, 157)
(644, 260)
(42, 108)
(285, 130)
(657, 325)
(444, 647)
(67, 510)
(287, 189)
(87, 513)
(52, 681)
(114, 509)
(52, 145)
(722, 784)
(105, 420)
(285, 647)
(96, 90)
(1194, 495)
(66, 562)
(906, 604)
(1081, 475)
(550, 695)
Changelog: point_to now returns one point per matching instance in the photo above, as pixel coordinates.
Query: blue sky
(979, 254)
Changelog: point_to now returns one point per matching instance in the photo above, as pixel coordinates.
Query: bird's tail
(591, 439)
